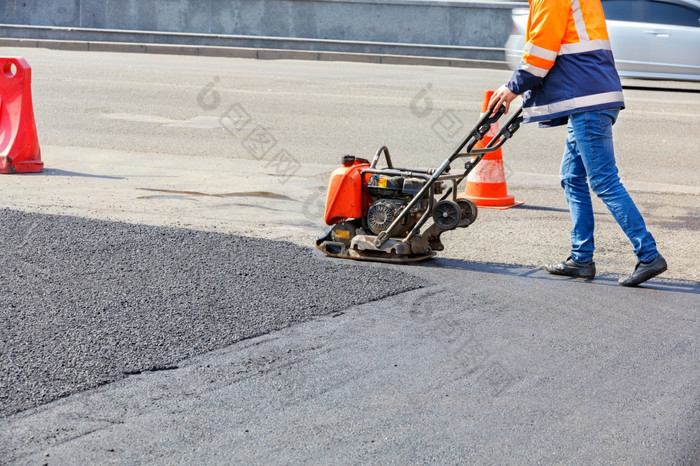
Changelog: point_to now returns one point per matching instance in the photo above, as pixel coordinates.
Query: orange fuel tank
(344, 199)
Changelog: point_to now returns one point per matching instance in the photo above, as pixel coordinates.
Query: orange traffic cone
(19, 143)
(486, 183)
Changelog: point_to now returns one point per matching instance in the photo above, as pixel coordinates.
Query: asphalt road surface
(163, 304)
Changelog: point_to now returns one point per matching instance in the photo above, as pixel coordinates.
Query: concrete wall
(442, 23)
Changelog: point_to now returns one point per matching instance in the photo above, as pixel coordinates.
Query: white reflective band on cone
(488, 171)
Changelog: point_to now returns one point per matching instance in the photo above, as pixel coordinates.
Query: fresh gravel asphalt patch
(88, 302)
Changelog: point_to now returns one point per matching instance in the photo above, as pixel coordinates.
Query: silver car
(650, 39)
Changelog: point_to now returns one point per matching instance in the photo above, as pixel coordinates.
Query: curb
(243, 52)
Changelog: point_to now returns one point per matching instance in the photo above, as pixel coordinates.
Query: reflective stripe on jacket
(567, 64)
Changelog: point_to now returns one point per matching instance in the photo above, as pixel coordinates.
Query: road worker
(567, 76)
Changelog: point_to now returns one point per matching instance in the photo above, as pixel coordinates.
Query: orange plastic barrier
(486, 183)
(19, 143)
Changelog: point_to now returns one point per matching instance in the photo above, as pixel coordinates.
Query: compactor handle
(382, 150)
(505, 133)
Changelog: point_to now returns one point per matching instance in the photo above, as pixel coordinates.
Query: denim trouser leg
(589, 154)
(574, 180)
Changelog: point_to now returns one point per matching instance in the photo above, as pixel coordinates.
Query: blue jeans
(590, 158)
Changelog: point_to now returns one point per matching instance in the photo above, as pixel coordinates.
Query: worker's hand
(502, 96)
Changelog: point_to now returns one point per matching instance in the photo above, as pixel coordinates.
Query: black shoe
(571, 268)
(643, 272)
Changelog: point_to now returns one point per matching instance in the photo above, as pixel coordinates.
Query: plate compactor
(377, 214)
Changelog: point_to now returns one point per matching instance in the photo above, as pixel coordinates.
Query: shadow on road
(542, 208)
(659, 284)
(58, 172)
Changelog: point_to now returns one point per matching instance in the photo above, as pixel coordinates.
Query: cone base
(20, 167)
(500, 203)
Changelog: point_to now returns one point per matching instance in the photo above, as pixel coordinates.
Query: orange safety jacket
(567, 65)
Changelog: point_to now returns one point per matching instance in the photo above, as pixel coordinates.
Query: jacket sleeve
(546, 26)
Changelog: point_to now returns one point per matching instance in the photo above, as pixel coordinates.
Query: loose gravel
(88, 302)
